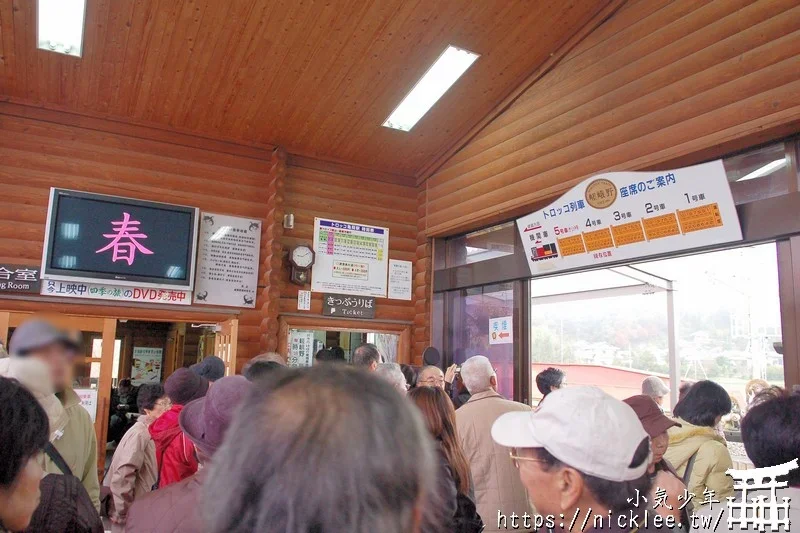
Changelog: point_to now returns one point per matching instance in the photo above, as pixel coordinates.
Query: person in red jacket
(174, 452)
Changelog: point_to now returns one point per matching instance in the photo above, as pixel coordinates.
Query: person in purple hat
(205, 421)
(174, 452)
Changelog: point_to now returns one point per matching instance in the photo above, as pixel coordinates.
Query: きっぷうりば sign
(96, 291)
(347, 306)
(629, 215)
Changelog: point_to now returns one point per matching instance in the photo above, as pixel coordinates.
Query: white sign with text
(620, 216)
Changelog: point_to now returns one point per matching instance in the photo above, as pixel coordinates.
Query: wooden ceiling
(316, 77)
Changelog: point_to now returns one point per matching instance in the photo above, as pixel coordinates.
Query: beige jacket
(78, 446)
(710, 464)
(498, 488)
(133, 470)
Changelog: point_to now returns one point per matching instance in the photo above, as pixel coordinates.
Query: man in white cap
(498, 489)
(77, 443)
(583, 457)
(655, 388)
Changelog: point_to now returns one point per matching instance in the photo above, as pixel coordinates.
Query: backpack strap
(59, 461)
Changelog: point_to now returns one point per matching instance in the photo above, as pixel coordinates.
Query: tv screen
(94, 237)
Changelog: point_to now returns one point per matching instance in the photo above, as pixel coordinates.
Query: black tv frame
(87, 276)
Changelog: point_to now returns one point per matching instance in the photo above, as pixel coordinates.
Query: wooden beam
(789, 290)
(436, 163)
(350, 170)
(129, 128)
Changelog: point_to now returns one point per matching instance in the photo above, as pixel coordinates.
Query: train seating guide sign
(620, 216)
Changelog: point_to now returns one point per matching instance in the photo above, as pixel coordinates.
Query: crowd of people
(365, 446)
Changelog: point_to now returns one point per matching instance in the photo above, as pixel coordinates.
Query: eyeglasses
(517, 458)
(164, 403)
(433, 381)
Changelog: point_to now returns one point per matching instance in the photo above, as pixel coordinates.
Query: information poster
(501, 330)
(304, 300)
(628, 215)
(301, 348)
(350, 258)
(400, 276)
(227, 261)
(146, 365)
(115, 293)
(88, 401)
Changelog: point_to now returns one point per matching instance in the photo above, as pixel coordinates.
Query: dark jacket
(456, 509)
(174, 452)
(175, 509)
(65, 507)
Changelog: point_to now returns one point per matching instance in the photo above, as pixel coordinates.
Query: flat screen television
(107, 239)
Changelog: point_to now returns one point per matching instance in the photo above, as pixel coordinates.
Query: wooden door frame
(401, 329)
(107, 327)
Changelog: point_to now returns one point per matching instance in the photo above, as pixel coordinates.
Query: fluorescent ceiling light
(440, 77)
(763, 171)
(60, 24)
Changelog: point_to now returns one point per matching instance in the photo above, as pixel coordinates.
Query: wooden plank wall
(36, 154)
(316, 192)
(658, 81)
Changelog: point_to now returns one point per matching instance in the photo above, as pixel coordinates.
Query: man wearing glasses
(498, 490)
(583, 456)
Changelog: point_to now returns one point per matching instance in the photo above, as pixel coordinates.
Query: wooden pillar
(272, 255)
(104, 390)
(789, 287)
(5, 317)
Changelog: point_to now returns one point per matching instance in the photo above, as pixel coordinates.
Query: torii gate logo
(123, 240)
(760, 512)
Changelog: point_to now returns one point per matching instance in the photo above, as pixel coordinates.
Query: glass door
(485, 321)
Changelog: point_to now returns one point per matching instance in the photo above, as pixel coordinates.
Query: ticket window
(305, 343)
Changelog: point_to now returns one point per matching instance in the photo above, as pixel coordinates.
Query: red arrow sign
(504, 335)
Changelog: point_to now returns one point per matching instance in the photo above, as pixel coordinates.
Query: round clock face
(302, 256)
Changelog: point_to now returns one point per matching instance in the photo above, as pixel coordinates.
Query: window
(489, 243)
(609, 328)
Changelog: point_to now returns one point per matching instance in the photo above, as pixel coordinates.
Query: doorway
(139, 350)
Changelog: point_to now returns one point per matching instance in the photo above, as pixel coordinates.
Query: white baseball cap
(582, 427)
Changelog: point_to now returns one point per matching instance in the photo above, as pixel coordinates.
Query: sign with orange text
(621, 216)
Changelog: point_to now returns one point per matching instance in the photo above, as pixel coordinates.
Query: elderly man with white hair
(499, 493)
(392, 374)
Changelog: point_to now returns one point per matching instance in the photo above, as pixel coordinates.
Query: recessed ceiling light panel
(437, 80)
(60, 26)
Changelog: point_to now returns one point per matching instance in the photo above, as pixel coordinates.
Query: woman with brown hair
(455, 491)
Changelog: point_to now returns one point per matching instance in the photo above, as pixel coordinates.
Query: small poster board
(88, 401)
(115, 293)
(301, 348)
(227, 260)
(400, 275)
(304, 300)
(501, 330)
(146, 365)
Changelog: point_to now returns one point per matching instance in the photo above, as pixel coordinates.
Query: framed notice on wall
(622, 216)
(350, 258)
(227, 260)
(146, 365)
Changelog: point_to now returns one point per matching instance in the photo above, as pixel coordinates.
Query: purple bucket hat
(205, 421)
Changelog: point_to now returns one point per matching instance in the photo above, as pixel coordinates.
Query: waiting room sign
(621, 216)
